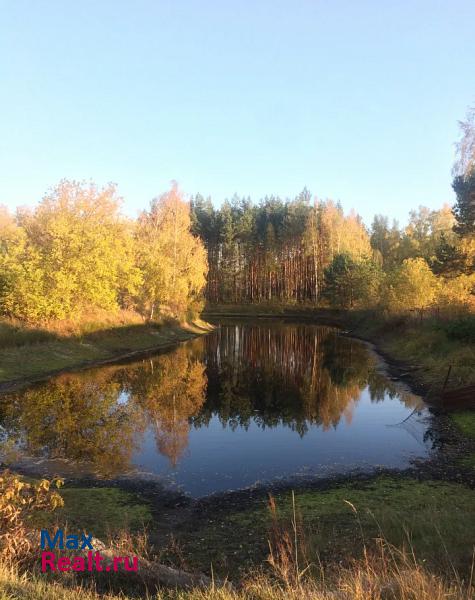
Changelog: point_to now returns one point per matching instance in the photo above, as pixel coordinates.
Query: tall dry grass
(377, 578)
(384, 573)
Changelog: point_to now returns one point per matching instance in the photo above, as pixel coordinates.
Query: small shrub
(19, 501)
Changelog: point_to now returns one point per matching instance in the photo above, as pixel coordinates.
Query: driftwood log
(156, 574)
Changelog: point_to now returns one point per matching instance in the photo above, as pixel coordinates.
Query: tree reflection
(291, 375)
(170, 389)
(76, 417)
(270, 375)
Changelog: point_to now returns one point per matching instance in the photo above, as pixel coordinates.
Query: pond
(249, 403)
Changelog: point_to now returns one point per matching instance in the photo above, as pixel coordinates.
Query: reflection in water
(241, 379)
(76, 417)
(297, 375)
(169, 389)
(98, 416)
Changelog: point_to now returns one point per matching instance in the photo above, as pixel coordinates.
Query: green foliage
(448, 259)
(465, 421)
(464, 180)
(428, 233)
(340, 281)
(275, 250)
(349, 283)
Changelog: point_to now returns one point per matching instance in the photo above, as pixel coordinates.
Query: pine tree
(448, 260)
(464, 209)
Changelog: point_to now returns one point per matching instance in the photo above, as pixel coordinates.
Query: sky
(357, 100)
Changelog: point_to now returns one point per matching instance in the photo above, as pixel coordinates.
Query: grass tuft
(465, 421)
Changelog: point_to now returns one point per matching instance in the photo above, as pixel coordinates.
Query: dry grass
(94, 320)
(386, 573)
(430, 345)
(18, 333)
(389, 576)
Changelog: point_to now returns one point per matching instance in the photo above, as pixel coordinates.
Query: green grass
(468, 461)
(13, 335)
(428, 345)
(33, 354)
(101, 512)
(436, 519)
(433, 520)
(465, 421)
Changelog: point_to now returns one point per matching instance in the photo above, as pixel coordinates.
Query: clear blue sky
(357, 100)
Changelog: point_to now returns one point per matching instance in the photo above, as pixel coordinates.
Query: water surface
(248, 403)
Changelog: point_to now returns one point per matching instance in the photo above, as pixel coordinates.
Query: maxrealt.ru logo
(91, 560)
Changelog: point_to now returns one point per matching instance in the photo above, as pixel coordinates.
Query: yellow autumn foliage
(19, 501)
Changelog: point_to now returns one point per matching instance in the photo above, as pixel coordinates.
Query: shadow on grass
(15, 335)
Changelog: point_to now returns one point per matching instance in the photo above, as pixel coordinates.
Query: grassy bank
(429, 347)
(384, 538)
(229, 535)
(465, 421)
(32, 353)
(119, 511)
(425, 350)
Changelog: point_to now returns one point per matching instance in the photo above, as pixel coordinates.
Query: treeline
(304, 250)
(307, 250)
(75, 252)
(275, 250)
